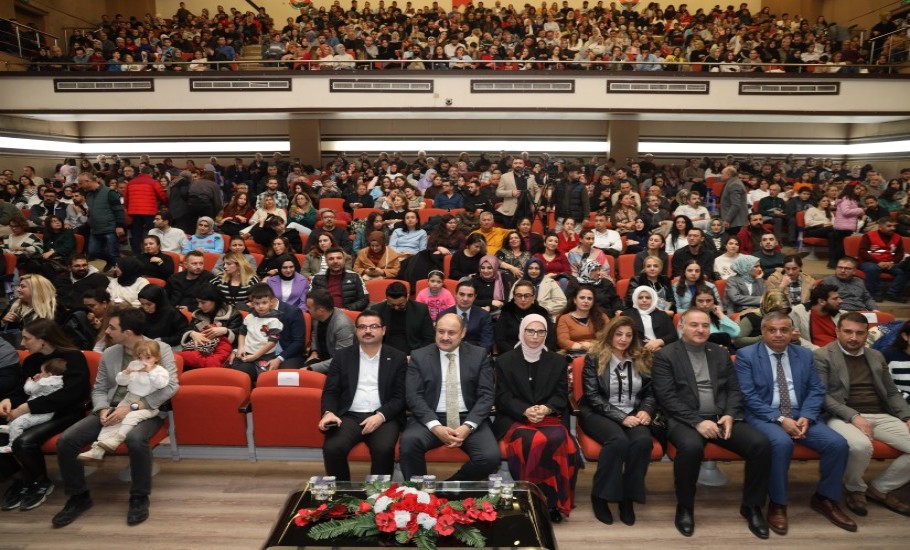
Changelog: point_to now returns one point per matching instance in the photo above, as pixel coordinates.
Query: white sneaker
(95, 454)
(6, 449)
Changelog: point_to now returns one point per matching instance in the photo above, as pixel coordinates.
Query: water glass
(494, 485)
(330, 486)
(417, 480)
(429, 484)
(507, 488)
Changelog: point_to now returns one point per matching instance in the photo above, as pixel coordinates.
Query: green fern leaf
(424, 541)
(470, 536)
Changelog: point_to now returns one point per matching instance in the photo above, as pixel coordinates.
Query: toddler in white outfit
(46, 382)
(140, 378)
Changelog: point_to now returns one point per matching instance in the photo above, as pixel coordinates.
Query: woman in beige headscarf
(377, 261)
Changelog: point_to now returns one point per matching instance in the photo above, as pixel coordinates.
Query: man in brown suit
(863, 405)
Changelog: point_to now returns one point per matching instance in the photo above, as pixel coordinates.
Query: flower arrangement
(300, 4)
(413, 515)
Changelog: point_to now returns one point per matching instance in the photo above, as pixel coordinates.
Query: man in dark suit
(478, 320)
(408, 323)
(783, 397)
(863, 404)
(733, 208)
(364, 398)
(696, 386)
(450, 395)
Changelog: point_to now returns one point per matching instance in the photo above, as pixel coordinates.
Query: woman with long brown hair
(617, 410)
(44, 340)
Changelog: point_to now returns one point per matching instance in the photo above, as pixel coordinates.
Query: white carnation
(382, 503)
(423, 497)
(426, 521)
(402, 517)
(407, 491)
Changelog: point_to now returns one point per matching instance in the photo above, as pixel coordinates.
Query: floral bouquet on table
(411, 514)
(299, 4)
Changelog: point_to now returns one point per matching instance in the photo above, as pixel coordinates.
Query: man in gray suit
(733, 208)
(519, 192)
(863, 405)
(125, 331)
(450, 395)
(332, 330)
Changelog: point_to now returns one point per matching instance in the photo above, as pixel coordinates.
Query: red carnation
(365, 506)
(300, 521)
(445, 525)
(488, 513)
(385, 521)
(469, 502)
(338, 511)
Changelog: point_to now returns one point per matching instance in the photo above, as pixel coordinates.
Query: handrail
(875, 10)
(32, 29)
(477, 66)
(903, 29)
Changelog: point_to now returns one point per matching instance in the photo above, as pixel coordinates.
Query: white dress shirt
(441, 404)
(785, 361)
(366, 397)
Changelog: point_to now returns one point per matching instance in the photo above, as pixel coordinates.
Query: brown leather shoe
(856, 502)
(777, 518)
(832, 512)
(889, 501)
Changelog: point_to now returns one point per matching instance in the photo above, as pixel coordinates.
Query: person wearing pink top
(846, 217)
(436, 296)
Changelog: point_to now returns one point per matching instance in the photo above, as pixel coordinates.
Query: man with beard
(816, 320)
(182, 286)
(81, 278)
(519, 193)
(882, 251)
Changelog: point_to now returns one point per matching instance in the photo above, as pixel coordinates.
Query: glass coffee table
(522, 523)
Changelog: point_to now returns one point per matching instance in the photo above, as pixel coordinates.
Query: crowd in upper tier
(549, 37)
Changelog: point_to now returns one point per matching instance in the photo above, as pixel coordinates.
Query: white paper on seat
(288, 378)
(871, 316)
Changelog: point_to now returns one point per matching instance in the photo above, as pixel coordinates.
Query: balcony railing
(22, 40)
(443, 66)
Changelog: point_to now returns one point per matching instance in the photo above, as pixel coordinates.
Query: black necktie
(783, 388)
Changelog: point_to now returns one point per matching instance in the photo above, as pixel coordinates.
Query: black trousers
(481, 448)
(339, 442)
(624, 458)
(745, 441)
(27, 456)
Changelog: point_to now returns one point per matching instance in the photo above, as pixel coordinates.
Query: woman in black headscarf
(125, 288)
(163, 321)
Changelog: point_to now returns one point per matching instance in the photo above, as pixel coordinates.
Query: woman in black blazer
(617, 410)
(654, 326)
(531, 394)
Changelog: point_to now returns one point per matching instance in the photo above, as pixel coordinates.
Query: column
(623, 137)
(306, 141)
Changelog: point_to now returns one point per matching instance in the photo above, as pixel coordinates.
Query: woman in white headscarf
(654, 326)
(531, 396)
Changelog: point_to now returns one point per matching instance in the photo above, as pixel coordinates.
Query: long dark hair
(595, 317)
(52, 333)
(674, 233)
(681, 285)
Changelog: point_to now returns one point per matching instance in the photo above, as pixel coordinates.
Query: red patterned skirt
(546, 455)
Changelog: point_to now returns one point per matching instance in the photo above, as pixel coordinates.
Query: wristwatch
(780, 420)
(470, 427)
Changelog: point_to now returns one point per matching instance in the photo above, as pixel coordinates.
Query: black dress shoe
(74, 507)
(602, 510)
(685, 520)
(627, 512)
(555, 516)
(755, 520)
(139, 510)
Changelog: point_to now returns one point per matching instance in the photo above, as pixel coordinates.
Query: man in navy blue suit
(478, 320)
(783, 398)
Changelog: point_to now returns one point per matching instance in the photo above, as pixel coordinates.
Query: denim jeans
(874, 274)
(105, 247)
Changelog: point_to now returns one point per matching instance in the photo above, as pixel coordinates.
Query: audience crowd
(435, 266)
(590, 36)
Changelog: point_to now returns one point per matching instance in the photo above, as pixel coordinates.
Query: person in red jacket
(142, 200)
(882, 251)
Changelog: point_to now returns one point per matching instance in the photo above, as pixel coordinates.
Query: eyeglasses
(523, 295)
(535, 333)
(369, 327)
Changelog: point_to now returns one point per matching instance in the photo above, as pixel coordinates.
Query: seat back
(291, 378)
(271, 409)
(851, 245)
(207, 409)
(626, 266)
(157, 282)
(334, 204)
(622, 288)
(376, 288)
(578, 391)
(363, 213)
(175, 258)
(210, 259)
